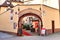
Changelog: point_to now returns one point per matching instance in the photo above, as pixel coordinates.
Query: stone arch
(30, 10)
(27, 12)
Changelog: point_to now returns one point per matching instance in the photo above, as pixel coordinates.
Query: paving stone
(55, 36)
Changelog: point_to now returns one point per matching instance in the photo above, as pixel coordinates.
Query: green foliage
(26, 26)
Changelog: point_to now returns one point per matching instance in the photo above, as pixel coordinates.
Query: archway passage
(30, 15)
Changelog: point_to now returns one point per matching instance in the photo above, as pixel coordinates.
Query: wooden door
(53, 26)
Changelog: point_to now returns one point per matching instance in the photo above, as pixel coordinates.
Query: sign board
(43, 31)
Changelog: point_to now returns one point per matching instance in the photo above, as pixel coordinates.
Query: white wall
(33, 2)
(2, 1)
(51, 3)
(55, 4)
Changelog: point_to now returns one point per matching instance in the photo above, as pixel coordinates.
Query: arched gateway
(29, 12)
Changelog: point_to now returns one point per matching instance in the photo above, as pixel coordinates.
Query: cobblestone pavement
(4, 36)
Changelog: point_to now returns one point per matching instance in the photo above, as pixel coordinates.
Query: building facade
(49, 17)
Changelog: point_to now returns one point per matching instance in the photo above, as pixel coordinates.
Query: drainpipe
(42, 14)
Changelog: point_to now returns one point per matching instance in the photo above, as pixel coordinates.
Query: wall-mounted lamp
(18, 9)
(40, 8)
